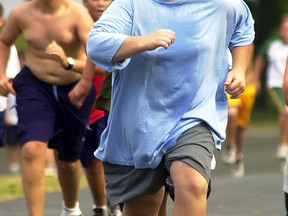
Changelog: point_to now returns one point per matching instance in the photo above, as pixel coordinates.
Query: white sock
(72, 210)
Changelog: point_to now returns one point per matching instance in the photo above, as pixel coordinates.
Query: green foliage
(20, 44)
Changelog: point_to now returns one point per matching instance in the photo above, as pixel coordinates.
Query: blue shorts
(92, 140)
(10, 137)
(2, 126)
(45, 113)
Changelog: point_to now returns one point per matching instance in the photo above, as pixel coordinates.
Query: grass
(11, 186)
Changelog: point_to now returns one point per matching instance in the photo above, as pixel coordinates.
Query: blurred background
(260, 192)
(267, 15)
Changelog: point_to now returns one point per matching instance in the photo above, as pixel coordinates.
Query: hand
(57, 52)
(79, 93)
(235, 83)
(6, 86)
(160, 38)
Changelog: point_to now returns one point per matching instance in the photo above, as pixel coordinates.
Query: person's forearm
(131, 46)
(4, 55)
(88, 71)
(241, 57)
(285, 83)
(134, 45)
(259, 66)
(99, 70)
(78, 66)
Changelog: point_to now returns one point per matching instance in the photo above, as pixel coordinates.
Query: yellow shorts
(245, 104)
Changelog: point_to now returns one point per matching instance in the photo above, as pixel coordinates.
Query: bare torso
(66, 25)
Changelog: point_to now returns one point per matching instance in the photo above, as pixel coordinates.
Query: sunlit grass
(11, 186)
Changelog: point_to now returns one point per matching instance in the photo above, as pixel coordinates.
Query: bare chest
(41, 31)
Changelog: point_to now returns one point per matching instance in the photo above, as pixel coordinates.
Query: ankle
(70, 210)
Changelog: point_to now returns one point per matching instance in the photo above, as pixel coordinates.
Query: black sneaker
(100, 212)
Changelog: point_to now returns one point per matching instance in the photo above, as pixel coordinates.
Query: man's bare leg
(144, 205)
(13, 152)
(241, 135)
(33, 178)
(50, 168)
(190, 190)
(96, 180)
(163, 208)
(284, 127)
(69, 174)
(229, 154)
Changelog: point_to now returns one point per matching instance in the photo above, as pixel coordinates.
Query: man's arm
(79, 93)
(59, 53)
(5, 83)
(285, 83)
(133, 45)
(259, 65)
(236, 79)
(8, 36)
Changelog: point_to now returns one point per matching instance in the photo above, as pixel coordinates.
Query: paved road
(259, 192)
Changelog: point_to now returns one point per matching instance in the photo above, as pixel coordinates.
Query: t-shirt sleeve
(243, 33)
(108, 34)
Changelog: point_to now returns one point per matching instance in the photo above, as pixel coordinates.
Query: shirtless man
(56, 32)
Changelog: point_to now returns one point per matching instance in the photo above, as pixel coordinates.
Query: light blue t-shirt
(159, 94)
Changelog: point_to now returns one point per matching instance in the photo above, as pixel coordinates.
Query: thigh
(144, 205)
(194, 147)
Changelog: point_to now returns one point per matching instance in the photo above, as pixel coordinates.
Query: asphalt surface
(259, 192)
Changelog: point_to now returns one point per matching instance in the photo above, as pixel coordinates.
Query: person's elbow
(91, 49)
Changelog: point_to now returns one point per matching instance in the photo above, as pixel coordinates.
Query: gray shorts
(194, 147)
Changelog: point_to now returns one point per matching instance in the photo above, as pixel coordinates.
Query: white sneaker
(239, 169)
(115, 210)
(50, 172)
(71, 212)
(14, 168)
(229, 156)
(282, 166)
(282, 151)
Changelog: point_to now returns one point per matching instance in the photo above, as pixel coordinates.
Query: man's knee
(188, 180)
(67, 166)
(34, 151)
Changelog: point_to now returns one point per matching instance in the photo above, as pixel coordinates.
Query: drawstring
(55, 93)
